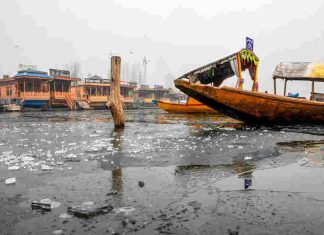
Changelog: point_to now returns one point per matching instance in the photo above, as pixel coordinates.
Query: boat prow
(255, 107)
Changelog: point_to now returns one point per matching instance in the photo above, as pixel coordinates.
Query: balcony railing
(97, 99)
(105, 99)
(34, 95)
(62, 95)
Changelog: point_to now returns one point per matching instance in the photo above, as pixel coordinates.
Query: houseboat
(95, 91)
(8, 99)
(37, 89)
(30, 87)
(147, 97)
(61, 93)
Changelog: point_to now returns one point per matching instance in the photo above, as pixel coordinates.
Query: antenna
(144, 69)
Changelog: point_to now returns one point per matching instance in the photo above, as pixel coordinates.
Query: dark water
(193, 167)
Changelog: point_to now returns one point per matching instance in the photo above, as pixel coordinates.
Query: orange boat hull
(195, 107)
(254, 107)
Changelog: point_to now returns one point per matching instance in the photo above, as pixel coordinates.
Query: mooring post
(115, 103)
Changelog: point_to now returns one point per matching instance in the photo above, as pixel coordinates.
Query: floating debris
(112, 193)
(141, 184)
(10, 181)
(36, 205)
(46, 204)
(87, 211)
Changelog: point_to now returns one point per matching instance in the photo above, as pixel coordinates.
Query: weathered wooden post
(115, 103)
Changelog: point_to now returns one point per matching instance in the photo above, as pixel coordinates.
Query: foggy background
(171, 37)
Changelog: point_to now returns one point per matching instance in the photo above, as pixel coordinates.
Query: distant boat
(191, 106)
(10, 108)
(9, 105)
(254, 107)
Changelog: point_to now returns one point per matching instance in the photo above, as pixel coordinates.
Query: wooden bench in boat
(317, 97)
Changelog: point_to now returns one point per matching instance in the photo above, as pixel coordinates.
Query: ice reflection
(117, 174)
(244, 171)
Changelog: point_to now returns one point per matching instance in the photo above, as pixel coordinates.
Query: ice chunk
(246, 158)
(54, 204)
(65, 216)
(46, 167)
(88, 211)
(71, 158)
(36, 205)
(13, 168)
(10, 181)
(27, 159)
(58, 232)
(126, 210)
(228, 129)
(88, 203)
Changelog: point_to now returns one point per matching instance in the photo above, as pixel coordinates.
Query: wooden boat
(254, 107)
(192, 106)
(9, 106)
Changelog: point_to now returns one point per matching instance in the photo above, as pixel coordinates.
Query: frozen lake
(193, 168)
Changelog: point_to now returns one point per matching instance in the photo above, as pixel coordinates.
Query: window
(9, 92)
(29, 86)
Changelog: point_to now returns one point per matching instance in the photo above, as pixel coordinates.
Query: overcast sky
(175, 36)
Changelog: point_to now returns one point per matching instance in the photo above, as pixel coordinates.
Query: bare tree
(75, 69)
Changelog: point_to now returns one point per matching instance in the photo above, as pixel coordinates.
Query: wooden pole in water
(114, 99)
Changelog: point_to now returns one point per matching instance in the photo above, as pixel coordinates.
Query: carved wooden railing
(34, 95)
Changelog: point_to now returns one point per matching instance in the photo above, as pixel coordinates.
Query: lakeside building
(31, 88)
(36, 89)
(95, 90)
(147, 97)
